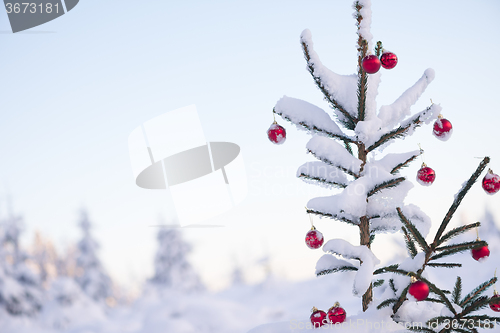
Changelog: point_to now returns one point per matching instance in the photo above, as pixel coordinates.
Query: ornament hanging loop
(311, 220)
(422, 155)
(495, 292)
(274, 118)
(477, 234)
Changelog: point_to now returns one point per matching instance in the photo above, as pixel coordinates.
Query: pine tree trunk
(364, 231)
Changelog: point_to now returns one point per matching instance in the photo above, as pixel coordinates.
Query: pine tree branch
(386, 303)
(457, 291)
(332, 216)
(476, 305)
(446, 265)
(404, 164)
(410, 244)
(316, 129)
(327, 161)
(401, 300)
(466, 246)
(457, 231)
(385, 269)
(378, 283)
(414, 231)
(477, 291)
(432, 288)
(337, 269)
(322, 180)
(457, 249)
(349, 121)
(398, 132)
(459, 197)
(348, 147)
(434, 300)
(391, 284)
(384, 185)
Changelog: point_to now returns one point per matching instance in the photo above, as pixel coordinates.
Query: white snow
(364, 275)
(302, 112)
(328, 261)
(364, 28)
(393, 114)
(390, 161)
(341, 87)
(332, 152)
(322, 171)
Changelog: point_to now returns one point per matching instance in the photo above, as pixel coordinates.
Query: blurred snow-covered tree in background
(20, 287)
(172, 268)
(90, 274)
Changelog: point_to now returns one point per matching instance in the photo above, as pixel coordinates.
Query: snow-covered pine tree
(45, 257)
(372, 190)
(172, 268)
(90, 274)
(20, 288)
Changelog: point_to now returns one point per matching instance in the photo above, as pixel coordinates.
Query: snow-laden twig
(368, 261)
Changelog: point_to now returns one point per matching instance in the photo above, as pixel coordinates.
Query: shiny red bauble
(425, 176)
(336, 314)
(495, 302)
(491, 182)
(419, 290)
(442, 129)
(480, 253)
(371, 64)
(276, 133)
(314, 239)
(388, 60)
(318, 318)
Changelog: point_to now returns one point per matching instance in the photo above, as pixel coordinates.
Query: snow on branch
(394, 162)
(308, 116)
(363, 16)
(407, 127)
(391, 221)
(367, 259)
(392, 114)
(330, 264)
(322, 173)
(334, 154)
(339, 90)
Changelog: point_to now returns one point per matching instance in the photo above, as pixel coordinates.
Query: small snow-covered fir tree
(90, 273)
(372, 188)
(172, 268)
(20, 287)
(45, 257)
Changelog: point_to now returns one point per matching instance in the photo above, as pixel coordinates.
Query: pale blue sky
(72, 95)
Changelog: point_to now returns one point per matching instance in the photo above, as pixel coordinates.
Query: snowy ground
(273, 306)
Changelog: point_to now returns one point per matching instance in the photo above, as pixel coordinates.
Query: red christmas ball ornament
(495, 302)
(371, 64)
(276, 133)
(480, 253)
(318, 317)
(418, 289)
(425, 176)
(388, 60)
(491, 183)
(442, 128)
(336, 314)
(314, 238)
